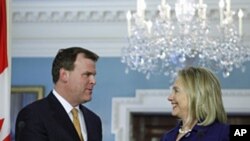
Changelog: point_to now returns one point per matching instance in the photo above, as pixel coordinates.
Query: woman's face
(179, 100)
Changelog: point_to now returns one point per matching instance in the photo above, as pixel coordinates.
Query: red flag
(4, 76)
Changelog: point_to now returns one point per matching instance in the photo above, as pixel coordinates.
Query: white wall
(40, 27)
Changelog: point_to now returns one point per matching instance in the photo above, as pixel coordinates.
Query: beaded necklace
(184, 131)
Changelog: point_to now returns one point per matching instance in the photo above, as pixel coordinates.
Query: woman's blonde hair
(204, 94)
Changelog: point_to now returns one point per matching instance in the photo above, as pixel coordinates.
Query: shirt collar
(66, 105)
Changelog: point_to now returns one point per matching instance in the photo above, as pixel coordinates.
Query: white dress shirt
(68, 108)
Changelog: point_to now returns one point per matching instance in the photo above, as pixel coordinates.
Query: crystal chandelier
(165, 44)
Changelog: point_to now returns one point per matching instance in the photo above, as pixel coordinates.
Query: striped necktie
(76, 122)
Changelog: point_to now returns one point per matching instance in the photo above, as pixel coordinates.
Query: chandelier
(165, 44)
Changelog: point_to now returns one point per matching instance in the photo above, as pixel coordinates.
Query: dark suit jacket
(46, 120)
(214, 132)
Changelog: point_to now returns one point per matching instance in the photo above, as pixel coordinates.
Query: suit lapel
(87, 121)
(61, 116)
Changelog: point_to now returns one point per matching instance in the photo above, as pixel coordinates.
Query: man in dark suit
(52, 119)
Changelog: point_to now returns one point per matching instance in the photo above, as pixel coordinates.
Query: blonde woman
(196, 100)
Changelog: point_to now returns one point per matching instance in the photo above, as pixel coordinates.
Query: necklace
(184, 131)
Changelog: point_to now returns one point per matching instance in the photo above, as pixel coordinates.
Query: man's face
(81, 80)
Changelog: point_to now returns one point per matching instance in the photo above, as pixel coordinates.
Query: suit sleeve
(29, 126)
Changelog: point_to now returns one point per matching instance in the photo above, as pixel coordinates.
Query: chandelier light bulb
(240, 15)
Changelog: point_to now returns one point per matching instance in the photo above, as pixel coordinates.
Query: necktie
(76, 122)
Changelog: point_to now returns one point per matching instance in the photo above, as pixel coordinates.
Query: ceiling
(41, 27)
